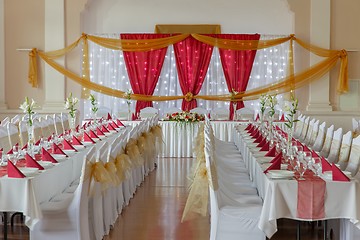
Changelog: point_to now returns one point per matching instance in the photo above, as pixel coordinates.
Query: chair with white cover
(199, 110)
(312, 137)
(16, 119)
(67, 219)
(5, 121)
(309, 131)
(299, 126)
(245, 113)
(4, 139)
(304, 129)
(13, 132)
(354, 158)
(231, 219)
(333, 156)
(220, 113)
(171, 110)
(148, 112)
(320, 138)
(345, 150)
(23, 132)
(327, 143)
(355, 126)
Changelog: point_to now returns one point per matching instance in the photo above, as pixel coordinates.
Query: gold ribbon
(189, 97)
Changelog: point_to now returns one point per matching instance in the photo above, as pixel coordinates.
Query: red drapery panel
(192, 61)
(144, 68)
(237, 66)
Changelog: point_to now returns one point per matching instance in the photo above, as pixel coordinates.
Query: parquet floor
(156, 209)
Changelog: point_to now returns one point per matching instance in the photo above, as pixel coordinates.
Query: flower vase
(234, 107)
(289, 141)
(270, 130)
(31, 139)
(72, 124)
(129, 113)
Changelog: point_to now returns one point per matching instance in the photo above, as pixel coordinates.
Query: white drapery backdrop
(107, 67)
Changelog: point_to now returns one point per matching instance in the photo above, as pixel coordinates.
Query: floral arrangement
(187, 117)
(28, 108)
(262, 100)
(271, 102)
(128, 96)
(70, 104)
(291, 111)
(94, 103)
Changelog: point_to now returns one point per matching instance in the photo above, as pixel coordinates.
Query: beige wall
(24, 28)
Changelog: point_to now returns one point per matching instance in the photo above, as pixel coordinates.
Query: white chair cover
(345, 150)
(148, 112)
(199, 110)
(327, 143)
(320, 138)
(335, 146)
(354, 158)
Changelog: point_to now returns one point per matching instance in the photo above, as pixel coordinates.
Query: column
(54, 39)
(3, 105)
(319, 90)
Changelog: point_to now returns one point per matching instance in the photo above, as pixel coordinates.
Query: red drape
(144, 68)
(237, 66)
(192, 61)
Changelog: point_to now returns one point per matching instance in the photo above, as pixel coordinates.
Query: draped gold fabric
(289, 83)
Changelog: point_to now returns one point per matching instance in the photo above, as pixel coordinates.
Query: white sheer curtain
(107, 67)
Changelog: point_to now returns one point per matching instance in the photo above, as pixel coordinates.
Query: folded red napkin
(251, 130)
(338, 175)
(133, 117)
(10, 151)
(84, 126)
(276, 165)
(57, 150)
(92, 134)
(114, 124)
(257, 117)
(13, 171)
(87, 138)
(271, 152)
(30, 162)
(265, 147)
(258, 139)
(277, 157)
(68, 146)
(99, 132)
(75, 141)
(306, 149)
(104, 129)
(111, 128)
(46, 156)
(248, 127)
(325, 165)
(262, 143)
(255, 134)
(314, 154)
(119, 123)
(24, 147)
(38, 142)
(282, 119)
(109, 116)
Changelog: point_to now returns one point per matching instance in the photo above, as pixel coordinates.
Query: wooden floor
(156, 210)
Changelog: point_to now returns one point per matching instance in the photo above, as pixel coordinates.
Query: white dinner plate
(101, 136)
(281, 173)
(46, 164)
(59, 157)
(79, 147)
(29, 171)
(69, 152)
(265, 159)
(87, 143)
(328, 174)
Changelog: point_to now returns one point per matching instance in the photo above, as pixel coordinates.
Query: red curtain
(237, 66)
(144, 68)
(192, 61)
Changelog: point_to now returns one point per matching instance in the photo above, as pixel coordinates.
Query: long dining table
(25, 195)
(281, 198)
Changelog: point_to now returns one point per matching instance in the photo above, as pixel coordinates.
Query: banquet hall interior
(164, 119)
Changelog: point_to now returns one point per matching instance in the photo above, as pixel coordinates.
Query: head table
(280, 196)
(178, 136)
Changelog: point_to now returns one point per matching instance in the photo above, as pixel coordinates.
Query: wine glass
(302, 166)
(317, 166)
(308, 159)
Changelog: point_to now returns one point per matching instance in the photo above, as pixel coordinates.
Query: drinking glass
(317, 166)
(302, 166)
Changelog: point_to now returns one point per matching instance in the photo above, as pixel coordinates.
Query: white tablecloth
(280, 196)
(26, 194)
(179, 137)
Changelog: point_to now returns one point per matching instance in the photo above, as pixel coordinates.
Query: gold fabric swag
(289, 83)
